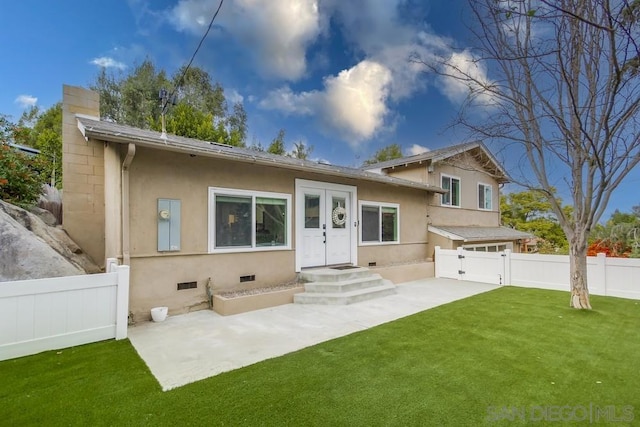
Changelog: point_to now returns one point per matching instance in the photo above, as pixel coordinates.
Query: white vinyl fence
(618, 277)
(48, 314)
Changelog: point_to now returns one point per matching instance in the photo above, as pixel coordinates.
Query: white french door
(325, 224)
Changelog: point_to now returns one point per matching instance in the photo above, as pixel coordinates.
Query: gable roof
(476, 148)
(113, 132)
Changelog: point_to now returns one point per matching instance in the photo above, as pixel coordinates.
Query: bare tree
(557, 80)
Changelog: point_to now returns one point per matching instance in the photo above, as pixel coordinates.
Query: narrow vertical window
(271, 221)
(452, 196)
(485, 197)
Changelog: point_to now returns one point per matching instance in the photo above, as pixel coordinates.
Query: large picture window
(485, 197)
(241, 220)
(452, 184)
(379, 222)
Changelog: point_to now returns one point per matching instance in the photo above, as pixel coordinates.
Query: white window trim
(459, 205)
(379, 205)
(478, 196)
(253, 194)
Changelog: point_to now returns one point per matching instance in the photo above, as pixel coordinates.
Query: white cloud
(25, 101)
(277, 32)
(466, 75)
(355, 100)
(107, 62)
(288, 102)
(358, 102)
(234, 97)
(416, 149)
(390, 44)
(352, 104)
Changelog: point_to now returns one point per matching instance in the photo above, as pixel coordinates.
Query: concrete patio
(191, 347)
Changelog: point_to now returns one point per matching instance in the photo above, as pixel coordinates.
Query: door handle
(324, 236)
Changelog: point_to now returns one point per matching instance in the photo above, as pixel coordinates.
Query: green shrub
(21, 177)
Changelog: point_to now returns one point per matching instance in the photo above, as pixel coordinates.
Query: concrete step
(371, 281)
(333, 275)
(344, 298)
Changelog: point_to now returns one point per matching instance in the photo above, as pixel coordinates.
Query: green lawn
(508, 354)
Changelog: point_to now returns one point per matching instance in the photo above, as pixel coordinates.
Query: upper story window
(452, 198)
(380, 222)
(241, 220)
(485, 197)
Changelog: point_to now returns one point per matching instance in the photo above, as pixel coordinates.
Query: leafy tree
(559, 81)
(390, 152)
(21, 132)
(195, 88)
(133, 99)
(6, 128)
(187, 121)
(21, 177)
(277, 145)
(47, 137)
(108, 88)
(530, 211)
(238, 126)
(139, 95)
(43, 131)
(301, 151)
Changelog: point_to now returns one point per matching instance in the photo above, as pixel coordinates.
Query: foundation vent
(187, 285)
(372, 264)
(250, 278)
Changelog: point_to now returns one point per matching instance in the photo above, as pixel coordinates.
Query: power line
(184, 72)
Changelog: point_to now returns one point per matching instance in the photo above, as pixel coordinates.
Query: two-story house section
(468, 214)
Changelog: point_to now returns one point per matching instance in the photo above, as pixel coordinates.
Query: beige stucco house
(181, 211)
(467, 215)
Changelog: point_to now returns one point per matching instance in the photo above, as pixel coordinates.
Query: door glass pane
(370, 224)
(338, 212)
(233, 221)
(311, 211)
(271, 221)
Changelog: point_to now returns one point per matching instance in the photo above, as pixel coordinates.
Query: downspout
(131, 152)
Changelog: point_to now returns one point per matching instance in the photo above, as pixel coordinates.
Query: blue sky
(333, 73)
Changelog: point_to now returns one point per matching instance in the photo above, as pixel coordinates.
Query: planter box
(406, 272)
(241, 304)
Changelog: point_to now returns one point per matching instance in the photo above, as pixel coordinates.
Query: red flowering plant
(610, 248)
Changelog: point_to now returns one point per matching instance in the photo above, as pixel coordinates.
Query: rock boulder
(31, 249)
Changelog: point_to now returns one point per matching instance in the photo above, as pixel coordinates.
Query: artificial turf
(512, 356)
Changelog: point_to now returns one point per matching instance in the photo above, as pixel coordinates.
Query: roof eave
(207, 151)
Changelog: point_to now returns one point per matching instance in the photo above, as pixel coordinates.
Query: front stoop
(341, 287)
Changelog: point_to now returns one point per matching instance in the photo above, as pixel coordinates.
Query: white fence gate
(606, 276)
(48, 314)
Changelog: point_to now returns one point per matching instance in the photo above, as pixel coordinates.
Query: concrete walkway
(198, 345)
